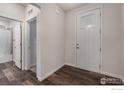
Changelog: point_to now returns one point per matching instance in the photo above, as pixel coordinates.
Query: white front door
(88, 40)
(17, 44)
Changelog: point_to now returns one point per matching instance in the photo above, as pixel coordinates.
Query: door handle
(77, 45)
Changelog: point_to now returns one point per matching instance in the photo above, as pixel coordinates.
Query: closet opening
(10, 41)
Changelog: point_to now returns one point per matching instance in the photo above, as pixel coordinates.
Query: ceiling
(65, 6)
(69, 6)
(35, 4)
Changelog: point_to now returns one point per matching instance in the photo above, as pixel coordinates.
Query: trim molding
(73, 65)
(122, 79)
(113, 75)
(40, 78)
(103, 72)
(6, 58)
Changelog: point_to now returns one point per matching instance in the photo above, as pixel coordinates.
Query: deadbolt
(77, 45)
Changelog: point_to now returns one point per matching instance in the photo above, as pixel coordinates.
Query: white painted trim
(5, 58)
(103, 72)
(27, 51)
(113, 75)
(122, 80)
(26, 67)
(18, 65)
(48, 74)
(76, 39)
(73, 65)
(39, 78)
(38, 46)
(101, 35)
(23, 46)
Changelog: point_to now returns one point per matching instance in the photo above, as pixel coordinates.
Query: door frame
(27, 65)
(100, 7)
(21, 41)
(38, 46)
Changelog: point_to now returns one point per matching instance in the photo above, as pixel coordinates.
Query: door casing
(38, 46)
(28, 42)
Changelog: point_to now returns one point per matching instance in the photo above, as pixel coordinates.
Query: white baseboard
(103, 72)
(114, 75)
(111, 74)
(18, 64)
(122, 79)
(25, 68)
(6, 58)
(50, 73)
(39, 78)
(73, 65)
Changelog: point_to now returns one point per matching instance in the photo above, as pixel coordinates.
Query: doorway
(32, 44)
(10, 41)
(89, 41)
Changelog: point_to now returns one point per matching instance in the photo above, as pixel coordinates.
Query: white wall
(111, 37)
(52, 36)
(14, 11)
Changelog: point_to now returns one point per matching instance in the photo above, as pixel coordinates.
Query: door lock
(77, 45)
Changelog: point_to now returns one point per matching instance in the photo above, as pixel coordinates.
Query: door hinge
(100, 49)
(100, 31)
(21, 26)
(99, 66)
(100, 13)
(20, 44)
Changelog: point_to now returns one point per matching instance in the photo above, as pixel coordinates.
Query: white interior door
(88, 40)
(17, 44)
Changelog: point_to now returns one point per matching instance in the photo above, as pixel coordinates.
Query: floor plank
(67, 75)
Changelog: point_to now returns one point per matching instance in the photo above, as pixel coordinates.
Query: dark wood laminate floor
(67, 75)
